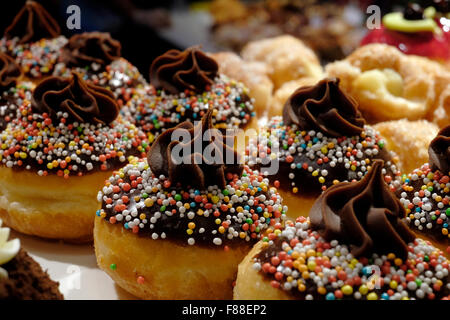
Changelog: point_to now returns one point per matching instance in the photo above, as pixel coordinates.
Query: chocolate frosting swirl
(83, 102)
(324, 107)
(365, 214)
(195, 169)
(90, 47)
(32, 23)
(176, 71)
(9, 71)
(439, 151)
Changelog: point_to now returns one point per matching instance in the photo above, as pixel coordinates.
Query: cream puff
(22, 278)
(287, 58)
(33, 39)
(66, 138)
(390, 85)
(353, 246)
(183, 86)
(176, 226)
(321, 140)
(425, 193)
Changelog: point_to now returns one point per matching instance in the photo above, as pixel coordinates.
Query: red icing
(424, 44)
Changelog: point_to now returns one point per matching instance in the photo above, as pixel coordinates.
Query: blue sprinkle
(330, 296)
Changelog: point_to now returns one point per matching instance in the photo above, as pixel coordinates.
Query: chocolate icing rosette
(320, 140)
(193, 205)
(33, 39)
(354, 246)
(183, 86)
(97, 56)
(425, 193)
(66, 138)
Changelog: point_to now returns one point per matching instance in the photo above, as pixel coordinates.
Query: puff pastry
(286, 57)
(390, 85)
(409, 140)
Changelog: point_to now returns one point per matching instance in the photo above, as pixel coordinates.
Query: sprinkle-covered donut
(33, 39)
(320, 141)
(425, 193)
(68, 127)
(354, 245)
(197, 203)
(184, 85)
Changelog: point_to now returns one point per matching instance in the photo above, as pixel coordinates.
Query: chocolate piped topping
(32, 23)
(439, 151)
(324, 107)
(9, 71)
(208, 158)
(90, 47)
(176, 71)
(83, 102)
(365, 215)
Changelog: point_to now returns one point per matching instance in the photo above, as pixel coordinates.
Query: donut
(183, 85)
(97, 56)
(409, 140)
(22, 278)
(390, 85)
(33, 40)
(254, 75)
(67, 137)
(287, 58)
(353, 246)
(320, 140)
(416, 31)
(197, 216)
(425, 193)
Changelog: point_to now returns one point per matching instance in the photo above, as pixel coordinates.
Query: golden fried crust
(170, 268)
(409, 140)
(253, 74)
(251, 285)
(284, 92)
(388, 84)
(286, 57)
(50, 207)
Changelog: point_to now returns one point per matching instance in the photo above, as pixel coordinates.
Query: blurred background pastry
(286, 58)
(421, 29)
